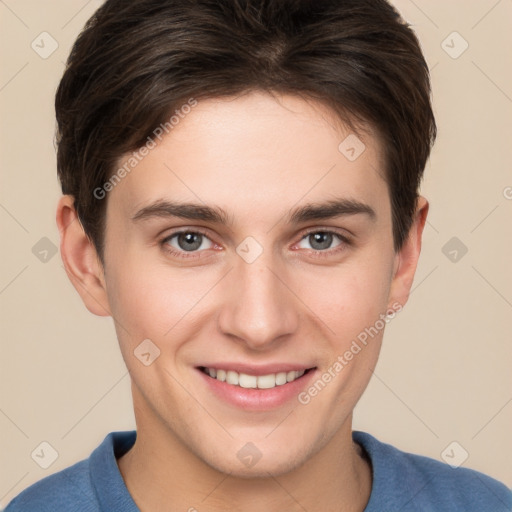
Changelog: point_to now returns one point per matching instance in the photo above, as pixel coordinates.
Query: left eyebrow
(312, 211)
(330, 209)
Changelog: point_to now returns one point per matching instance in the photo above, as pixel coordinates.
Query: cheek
(348, 298)
(150, 300)
(350, 302)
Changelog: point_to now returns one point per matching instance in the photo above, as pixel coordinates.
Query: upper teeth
(252, 381)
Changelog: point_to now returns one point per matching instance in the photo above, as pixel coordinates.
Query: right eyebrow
(191, 211)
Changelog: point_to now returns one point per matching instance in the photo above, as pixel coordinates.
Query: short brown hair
(136, 61)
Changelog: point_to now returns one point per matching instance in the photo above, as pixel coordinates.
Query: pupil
(321, 240)
(189, 241)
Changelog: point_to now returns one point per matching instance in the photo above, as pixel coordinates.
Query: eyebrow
(313, 211)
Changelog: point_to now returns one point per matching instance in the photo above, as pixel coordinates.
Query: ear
(80, 259)
(406, 260)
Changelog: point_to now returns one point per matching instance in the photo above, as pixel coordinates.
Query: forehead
(254, 154)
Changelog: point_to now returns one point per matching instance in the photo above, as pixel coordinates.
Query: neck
(161, 473)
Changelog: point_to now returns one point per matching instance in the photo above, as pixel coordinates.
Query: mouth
(249, 381)
(249, 387)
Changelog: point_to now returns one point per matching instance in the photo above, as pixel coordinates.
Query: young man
(240, 184)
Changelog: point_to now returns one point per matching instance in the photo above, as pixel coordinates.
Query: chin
(249, 461)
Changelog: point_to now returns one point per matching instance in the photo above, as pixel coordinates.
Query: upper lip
(252, 369)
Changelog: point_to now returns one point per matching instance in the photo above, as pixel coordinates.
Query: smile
(247, 381)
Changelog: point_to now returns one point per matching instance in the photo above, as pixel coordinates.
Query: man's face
(267, 290)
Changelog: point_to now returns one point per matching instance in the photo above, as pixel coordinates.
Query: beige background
(444, 373)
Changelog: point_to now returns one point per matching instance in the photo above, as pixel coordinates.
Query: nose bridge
(260, 308)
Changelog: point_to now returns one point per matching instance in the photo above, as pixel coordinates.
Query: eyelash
(345, 241)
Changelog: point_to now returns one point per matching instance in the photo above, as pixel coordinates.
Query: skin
(257, 157)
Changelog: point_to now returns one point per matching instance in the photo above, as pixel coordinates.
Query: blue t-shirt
(401, 482)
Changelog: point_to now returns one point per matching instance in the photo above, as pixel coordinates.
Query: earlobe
(406, 260)
(80, 259)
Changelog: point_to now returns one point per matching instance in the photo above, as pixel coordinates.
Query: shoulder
(416, 482)
(91, 485)
(69, 489)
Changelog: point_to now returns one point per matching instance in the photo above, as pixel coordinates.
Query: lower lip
(257, 399)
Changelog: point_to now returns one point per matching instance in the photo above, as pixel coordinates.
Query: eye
(186, 241)
(190, 243)
(323, 240)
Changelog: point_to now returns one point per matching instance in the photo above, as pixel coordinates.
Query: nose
(260, 309)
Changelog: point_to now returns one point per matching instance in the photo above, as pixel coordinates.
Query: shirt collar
(106, 478)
